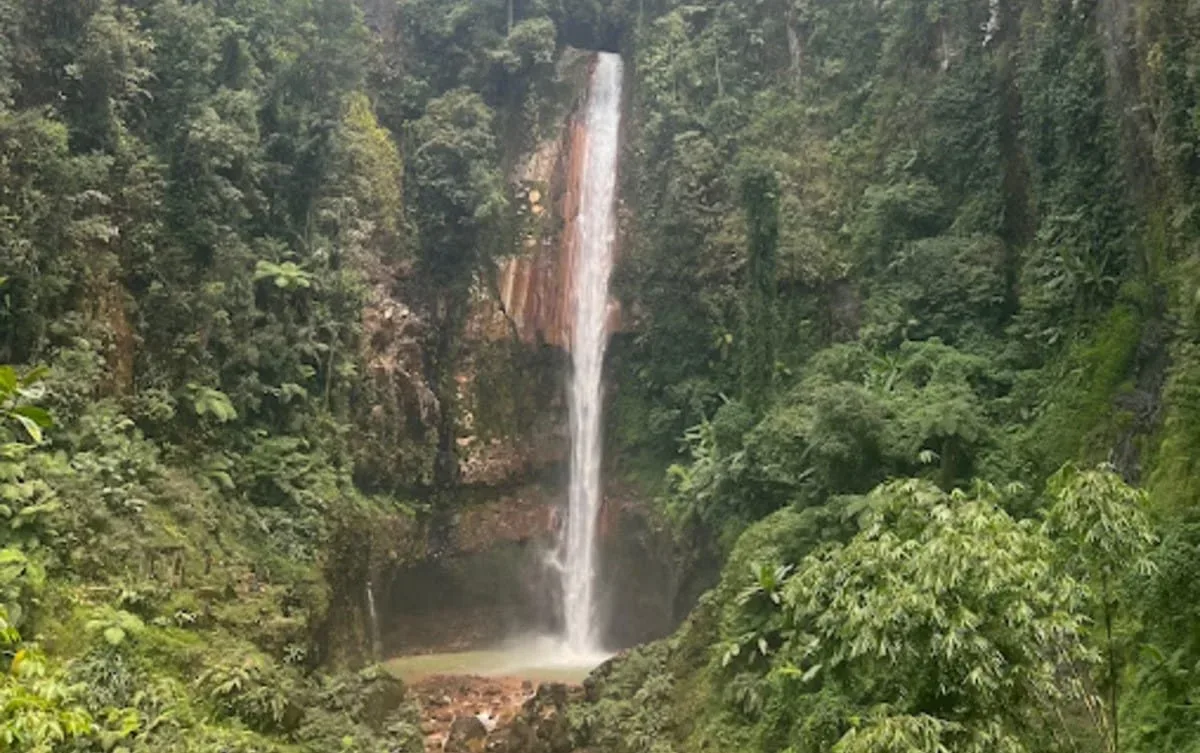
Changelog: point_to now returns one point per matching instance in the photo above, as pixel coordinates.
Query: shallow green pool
(537, 660)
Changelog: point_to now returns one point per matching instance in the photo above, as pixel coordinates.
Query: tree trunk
(1114, 731)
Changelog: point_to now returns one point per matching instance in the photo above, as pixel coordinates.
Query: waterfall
(595, 232)
(373, 616)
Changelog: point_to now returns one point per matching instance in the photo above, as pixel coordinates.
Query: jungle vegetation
(913, 309)
(917, 294)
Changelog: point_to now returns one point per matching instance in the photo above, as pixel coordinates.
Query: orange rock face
(527, 299)
(536, 290)
(536, 286)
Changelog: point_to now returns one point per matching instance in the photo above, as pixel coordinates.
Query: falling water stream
(595, 227)
(373, 615)
(579, 648)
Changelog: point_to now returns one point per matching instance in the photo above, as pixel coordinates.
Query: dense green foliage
(204, 206)
(911, 307)
(908, 619)
(977, 227)
(124, 622)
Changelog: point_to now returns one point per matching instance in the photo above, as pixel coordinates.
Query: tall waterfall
(595, 231)
(373, 616)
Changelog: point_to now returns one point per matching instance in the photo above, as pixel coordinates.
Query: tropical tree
(1105, 540)
(942, 626)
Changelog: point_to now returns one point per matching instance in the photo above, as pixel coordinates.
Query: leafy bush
(252, 691)
(944, 610)
(42, 711)
(856, 417)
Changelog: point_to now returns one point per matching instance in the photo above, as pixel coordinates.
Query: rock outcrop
(467, 735)
(542, 726)
(470, 714)
(477, 570)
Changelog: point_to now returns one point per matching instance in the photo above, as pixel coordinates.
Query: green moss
(1175, 478)
(1079, 417)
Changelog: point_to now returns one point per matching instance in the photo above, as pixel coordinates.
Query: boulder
(515, 737)
(467, 735)
(541, 727)
(382, 694)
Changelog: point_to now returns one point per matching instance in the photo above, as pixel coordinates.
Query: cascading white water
(373, 616)
(595, 232)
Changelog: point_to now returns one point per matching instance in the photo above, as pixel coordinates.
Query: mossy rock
(275, 634)
(382, 695)
(467, 735)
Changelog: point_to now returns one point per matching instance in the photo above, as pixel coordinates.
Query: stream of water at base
(538, 659)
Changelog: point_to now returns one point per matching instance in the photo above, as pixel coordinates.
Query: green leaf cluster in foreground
(909, 619)
(110, 661)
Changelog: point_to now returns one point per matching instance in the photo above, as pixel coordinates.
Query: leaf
(114, 635)
(38, 415)
(8, 380)
(730, 654)
(207, 401)
(12, 565)
(18, 659)
(810, 673)
(222, 479)
(35, 375)
(44, 507)
(264, 269)
(31, 427)
(15, 612)
(290, 391)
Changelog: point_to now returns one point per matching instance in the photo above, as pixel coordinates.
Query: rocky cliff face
(509, 416)
(534, 284)
(477, 572)
(482, 576)
(511, 380)
(489, 579)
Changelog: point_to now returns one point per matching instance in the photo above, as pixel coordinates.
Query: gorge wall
(473, 571)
